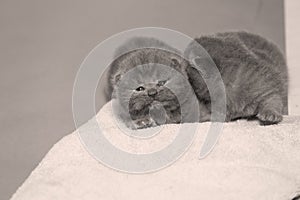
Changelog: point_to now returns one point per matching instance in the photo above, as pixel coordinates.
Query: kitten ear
(180, 65)
(174, 62)
(117, 78)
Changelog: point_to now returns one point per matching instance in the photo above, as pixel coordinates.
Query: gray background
(42, 44)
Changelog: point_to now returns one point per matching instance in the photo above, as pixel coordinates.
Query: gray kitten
(153, 94)
(253, 71)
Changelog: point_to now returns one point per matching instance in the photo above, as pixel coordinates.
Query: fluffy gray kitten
(253, 70)
(153, 94)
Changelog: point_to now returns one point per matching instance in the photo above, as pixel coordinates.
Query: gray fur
(254, 73)
(253, 70)
(148, 77)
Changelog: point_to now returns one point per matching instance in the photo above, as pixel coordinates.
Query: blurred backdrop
(44, 42)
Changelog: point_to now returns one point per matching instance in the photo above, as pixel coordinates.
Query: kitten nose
(152, 92)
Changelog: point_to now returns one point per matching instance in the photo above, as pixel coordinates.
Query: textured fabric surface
(249, 161)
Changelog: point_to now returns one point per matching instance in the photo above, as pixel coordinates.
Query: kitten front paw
(269, 117)
(144, 123)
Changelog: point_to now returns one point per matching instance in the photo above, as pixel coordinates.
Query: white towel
(249, 161)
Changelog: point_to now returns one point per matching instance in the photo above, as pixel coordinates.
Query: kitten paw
(268, 117)
(144, 123)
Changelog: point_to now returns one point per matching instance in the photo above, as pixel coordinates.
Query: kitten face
(150, 93)
(154, 104)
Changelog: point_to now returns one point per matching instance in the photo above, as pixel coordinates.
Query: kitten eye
(161, 83)
(141, 88)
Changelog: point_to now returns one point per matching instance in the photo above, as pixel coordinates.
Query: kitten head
(150, 84)
(152, 94)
